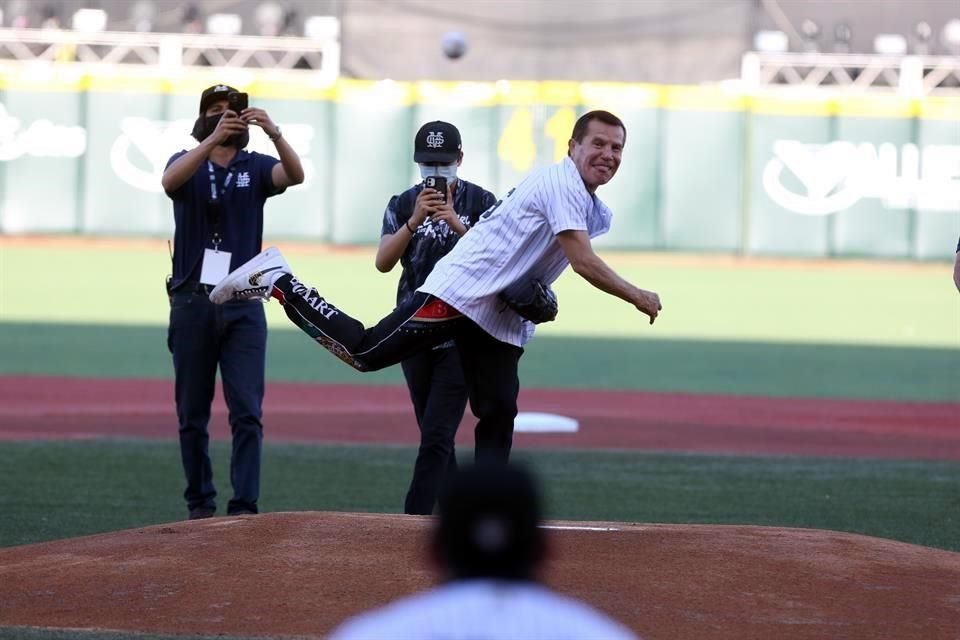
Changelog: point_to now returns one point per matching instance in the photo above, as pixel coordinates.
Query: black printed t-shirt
(433, 240)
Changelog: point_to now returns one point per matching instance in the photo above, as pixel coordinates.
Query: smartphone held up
(438, 183)
(237, 101)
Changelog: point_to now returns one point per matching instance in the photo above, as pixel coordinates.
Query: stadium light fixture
(951, 36)
(771, 41)
(224, 24)
(89, 20)
(891, 44)
(322, 27)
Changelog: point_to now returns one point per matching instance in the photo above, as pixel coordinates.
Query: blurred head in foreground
(489, 545)
(488, 524)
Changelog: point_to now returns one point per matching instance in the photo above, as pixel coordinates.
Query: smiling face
(597, 156)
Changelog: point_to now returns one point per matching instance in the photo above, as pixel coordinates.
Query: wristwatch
(276, 137)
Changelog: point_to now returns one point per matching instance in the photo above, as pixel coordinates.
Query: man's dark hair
(580, 128)
(488, 524)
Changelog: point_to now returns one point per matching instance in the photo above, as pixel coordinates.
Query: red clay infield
(302, 573)
(45, 407)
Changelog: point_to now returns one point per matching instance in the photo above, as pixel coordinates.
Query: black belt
(196, 287)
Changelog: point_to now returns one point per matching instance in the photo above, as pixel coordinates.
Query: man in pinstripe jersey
(533, 233)
(489, 549)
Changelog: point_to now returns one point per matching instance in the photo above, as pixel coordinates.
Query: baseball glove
(537, 303)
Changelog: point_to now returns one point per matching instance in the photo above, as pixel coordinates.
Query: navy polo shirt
(240, 218)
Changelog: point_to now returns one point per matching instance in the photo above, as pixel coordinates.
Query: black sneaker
(199, 513)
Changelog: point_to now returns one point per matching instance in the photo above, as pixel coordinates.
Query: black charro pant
(489, 365)
(491, 371)
(439, 395)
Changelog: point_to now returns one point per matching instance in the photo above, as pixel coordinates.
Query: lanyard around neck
(214, 205)
(218, 192)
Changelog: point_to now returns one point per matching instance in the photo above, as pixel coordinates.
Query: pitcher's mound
(302, 573)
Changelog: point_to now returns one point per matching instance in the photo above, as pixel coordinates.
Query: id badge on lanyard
(216, 263)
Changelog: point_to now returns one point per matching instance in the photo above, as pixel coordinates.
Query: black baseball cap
(214, 94)
(488, 523)
(437, 141)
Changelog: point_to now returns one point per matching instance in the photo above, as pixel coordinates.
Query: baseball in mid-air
(454, 44)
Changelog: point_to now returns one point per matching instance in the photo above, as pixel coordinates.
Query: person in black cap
(420, 226)
(218, 191)
(489, 548)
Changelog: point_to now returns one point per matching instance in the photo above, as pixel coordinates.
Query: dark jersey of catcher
(433, 240)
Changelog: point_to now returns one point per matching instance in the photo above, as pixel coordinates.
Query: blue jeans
(202, 336)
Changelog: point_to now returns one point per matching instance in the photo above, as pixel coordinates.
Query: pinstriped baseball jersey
(513, 243)
(485, 610)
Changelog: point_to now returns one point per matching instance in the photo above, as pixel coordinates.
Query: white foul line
(575, 528)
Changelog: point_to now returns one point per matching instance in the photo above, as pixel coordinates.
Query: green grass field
(792, 328)
(80, 488)
(794, 301)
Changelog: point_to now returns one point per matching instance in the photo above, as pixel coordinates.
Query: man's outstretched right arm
(591, 267)
(183, 168)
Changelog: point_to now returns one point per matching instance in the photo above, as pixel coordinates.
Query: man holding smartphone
(420, 226)
(218, 191)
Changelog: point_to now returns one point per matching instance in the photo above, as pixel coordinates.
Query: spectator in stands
(49, 17)
(191, 18)
(142, 15)
(489, 547)
(290, 20)
(19, 12)
(269, 18)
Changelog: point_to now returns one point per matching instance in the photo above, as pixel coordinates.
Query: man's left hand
(259, 117)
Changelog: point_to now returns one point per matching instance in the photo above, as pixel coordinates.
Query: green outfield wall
(705, 168)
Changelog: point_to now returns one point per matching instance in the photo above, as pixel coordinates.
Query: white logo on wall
(139, 154)
(837, 175)
(40, 138)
